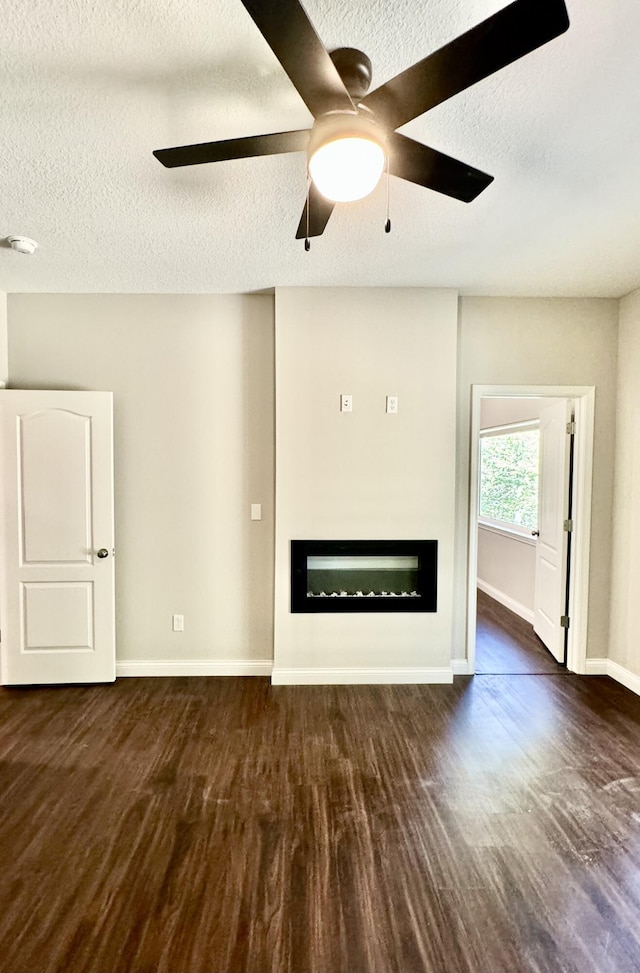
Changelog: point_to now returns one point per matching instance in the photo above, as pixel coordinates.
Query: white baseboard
(596, 667)
(607, 667)
(623, 676)
(341, 676)
(508, 602)
(194, 667)
(353, 676)
(460, 667)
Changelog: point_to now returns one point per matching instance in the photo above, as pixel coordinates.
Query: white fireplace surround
(365, 474)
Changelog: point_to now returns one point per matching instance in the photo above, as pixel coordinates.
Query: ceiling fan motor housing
(354, 67)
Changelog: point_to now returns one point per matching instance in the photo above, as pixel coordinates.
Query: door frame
(584, 397)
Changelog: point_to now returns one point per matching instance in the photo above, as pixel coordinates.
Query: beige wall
(507, 567)
(539, 341)
(625, 573)
(4, 354)
(193, 383)
(192, 378)
(365, 474)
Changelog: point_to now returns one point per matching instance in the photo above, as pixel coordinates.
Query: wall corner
(4, 352)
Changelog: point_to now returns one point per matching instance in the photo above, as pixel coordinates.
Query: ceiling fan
(353, 138)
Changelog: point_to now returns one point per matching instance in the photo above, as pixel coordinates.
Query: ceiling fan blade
(291, 36)
(243, 148)
(427, 167)
(501, 39)
(320, 209)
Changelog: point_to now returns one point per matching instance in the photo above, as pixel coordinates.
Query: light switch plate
(346, 403)
(256, 511)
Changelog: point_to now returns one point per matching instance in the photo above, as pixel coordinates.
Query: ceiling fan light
(347, 154)
(346, 169)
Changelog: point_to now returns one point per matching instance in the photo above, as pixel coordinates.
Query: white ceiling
(90, 88)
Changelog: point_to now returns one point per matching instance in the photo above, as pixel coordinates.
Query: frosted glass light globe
(346, 169)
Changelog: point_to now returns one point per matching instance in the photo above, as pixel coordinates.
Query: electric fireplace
(364, 576)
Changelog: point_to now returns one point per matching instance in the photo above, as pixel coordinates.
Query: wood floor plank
(506, 643)
(226, 826)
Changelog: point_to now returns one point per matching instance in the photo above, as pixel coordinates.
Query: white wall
(542, 341)
(192, 378)
(366, 474)
(507, 570)
(500, 411)
(625, 570)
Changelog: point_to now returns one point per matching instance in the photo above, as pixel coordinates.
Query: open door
(56, 544)
(552, 543)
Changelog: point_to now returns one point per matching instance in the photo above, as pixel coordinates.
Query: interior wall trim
(460, 667)
(607, 667)
(597, 667)
(355, 676)
(352, 676)
(194, 667)
(508, 602)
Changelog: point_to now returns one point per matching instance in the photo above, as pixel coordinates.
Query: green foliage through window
(509, 477)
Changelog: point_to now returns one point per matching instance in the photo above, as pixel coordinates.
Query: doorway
(489, 613)
(506, 643)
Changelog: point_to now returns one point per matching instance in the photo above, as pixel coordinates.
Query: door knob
(534, 533)
(103, 552)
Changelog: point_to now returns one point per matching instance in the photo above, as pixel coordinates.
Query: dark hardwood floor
(203, 825)
(506, 644)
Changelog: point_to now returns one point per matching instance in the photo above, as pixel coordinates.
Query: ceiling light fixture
(347, 155)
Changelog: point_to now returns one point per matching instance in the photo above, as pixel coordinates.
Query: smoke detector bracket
(23, 244)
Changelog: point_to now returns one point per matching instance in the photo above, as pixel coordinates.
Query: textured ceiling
(90, 88)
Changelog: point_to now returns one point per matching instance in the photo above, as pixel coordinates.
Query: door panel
(54, 509)
(57, 614)
(56, 595)
(551, 549)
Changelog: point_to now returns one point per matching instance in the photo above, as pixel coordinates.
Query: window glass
(509, 477)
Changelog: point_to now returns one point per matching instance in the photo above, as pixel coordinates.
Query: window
(509, 476)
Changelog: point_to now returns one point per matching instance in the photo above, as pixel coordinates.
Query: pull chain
(307, 242)
(387, 226)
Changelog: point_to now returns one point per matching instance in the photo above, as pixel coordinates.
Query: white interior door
(551, 549)
(56, 546)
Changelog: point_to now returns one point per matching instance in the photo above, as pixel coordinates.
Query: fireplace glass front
(336, 576)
